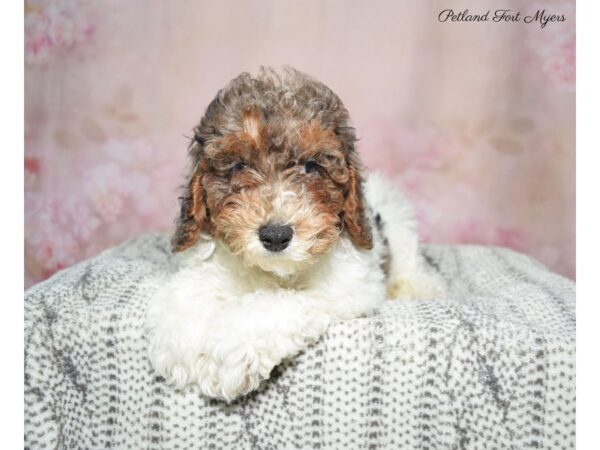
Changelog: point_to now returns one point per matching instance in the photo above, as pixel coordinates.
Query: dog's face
(275, 176)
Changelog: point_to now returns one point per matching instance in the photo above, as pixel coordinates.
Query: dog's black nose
(275, 237)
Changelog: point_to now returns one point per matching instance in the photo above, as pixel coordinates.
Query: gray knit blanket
(490, 365)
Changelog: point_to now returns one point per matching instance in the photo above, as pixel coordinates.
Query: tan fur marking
(252, 124)
(313, 140)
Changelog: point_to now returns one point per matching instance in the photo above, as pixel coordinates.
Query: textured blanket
(491, 365)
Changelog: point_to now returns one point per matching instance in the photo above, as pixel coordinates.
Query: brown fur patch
(324, 147)
(314, 140)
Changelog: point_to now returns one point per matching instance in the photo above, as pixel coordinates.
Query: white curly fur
(224, 325)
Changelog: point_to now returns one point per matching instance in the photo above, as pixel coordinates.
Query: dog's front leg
(256, 334)
(180, 321)
(225, 343)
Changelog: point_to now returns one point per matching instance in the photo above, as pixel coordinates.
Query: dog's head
(275, 174)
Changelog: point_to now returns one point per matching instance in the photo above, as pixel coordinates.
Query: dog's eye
(238, 167)
(311, 166)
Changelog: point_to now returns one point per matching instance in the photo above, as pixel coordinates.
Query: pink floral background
(475, 121)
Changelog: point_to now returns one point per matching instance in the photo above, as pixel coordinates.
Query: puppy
(277, 238)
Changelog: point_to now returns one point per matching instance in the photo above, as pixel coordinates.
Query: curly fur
(276, 149)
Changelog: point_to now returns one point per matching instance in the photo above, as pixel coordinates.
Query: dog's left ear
(355, 219)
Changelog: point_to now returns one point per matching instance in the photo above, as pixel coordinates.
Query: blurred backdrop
(475, 121)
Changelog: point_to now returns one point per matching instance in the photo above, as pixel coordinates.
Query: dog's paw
(418, 286)
(177, 368)
(240, 372)
(226, 371)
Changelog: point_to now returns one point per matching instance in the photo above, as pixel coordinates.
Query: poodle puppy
(278, 237)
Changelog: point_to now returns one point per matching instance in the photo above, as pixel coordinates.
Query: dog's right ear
(193, 216)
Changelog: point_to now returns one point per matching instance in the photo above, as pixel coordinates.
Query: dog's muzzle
(275, 237)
